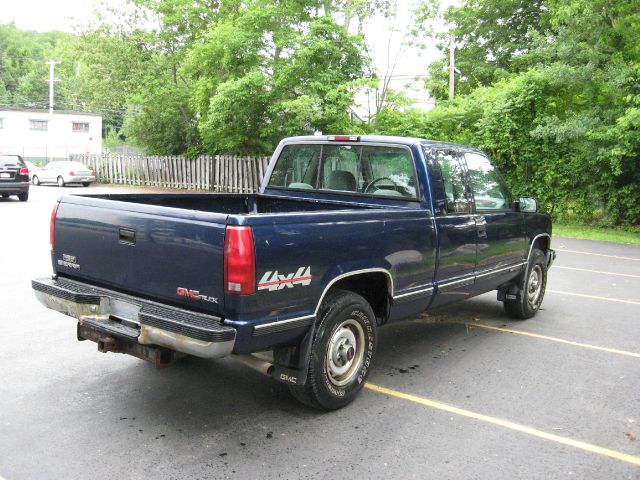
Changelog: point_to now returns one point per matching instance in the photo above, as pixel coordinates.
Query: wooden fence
(219, 173)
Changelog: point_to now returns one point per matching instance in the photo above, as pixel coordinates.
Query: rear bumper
(135, 319)
(80, 179)
(14, 188)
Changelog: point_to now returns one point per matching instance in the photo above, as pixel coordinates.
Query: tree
(560, 113)
(271, 70)
(492, 38)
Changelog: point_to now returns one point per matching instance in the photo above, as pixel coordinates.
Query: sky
(65, 15)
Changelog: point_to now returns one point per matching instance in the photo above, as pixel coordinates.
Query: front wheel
(60, 182)
(531, 288)
(342, 352)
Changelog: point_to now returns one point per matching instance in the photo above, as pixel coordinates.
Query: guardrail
(219, 173)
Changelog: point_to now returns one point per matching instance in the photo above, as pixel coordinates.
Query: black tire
(23, 197)
(531, 288)
(35, 180)
(86, 184)
(60, 181)
(345, 317)
(5, 195)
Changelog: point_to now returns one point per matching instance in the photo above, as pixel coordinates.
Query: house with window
(39, 135)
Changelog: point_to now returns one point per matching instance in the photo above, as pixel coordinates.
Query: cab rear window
(374, 170)
(11, 161)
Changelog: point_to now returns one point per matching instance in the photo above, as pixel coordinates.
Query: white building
(38, 135)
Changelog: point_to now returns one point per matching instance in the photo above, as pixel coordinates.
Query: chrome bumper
(137, 320)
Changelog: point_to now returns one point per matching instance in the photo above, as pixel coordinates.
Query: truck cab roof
(389, 139)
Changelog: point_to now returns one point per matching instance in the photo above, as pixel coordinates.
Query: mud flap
(291, 364)
(509, 292)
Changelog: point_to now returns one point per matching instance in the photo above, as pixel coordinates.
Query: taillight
(23, 171)
(72, 174)
(52, 225)
(239, 261)
(93, 173)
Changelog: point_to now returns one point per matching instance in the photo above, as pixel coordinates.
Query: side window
(489, 190)
(453, 180)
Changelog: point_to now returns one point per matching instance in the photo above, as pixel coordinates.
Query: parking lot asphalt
(461, 392)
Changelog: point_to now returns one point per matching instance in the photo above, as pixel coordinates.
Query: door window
(453, 179)
(489, 190)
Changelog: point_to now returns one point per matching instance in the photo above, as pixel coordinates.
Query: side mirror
(528, 204)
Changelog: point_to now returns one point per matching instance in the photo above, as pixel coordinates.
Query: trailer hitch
(158, 356)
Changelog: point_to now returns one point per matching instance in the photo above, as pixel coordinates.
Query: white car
(33, 168)
(64, 173)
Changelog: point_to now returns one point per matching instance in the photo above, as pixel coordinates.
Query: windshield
(356, 169)
(11, 161)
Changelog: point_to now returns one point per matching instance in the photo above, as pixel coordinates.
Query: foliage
(549, 88)
(272, 70)
(562, 117)
(493, 39)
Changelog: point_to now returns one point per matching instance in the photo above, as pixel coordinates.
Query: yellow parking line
(555, 339)
(624, 457)
(598, 254)
(596, 271)
(595, 297)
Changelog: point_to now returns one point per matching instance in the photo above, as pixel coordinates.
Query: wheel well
(373, 287)
(542, 243)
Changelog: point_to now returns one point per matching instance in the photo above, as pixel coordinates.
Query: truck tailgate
(167, 254)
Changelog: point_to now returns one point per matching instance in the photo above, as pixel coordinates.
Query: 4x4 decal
(272, 280)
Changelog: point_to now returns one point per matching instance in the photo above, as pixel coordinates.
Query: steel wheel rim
(345, 352)
(534, 285)
(60, 182)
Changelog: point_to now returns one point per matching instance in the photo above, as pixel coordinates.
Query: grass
(628, 235)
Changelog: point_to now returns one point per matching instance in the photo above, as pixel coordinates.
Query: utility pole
(52, 65)
(452, 67)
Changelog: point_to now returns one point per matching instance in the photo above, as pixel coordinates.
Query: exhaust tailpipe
(257, 364)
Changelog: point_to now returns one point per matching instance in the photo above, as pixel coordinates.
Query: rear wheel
(531, 288)
(5, 195)
(341, 353)
(35, 180)
(86, 184)
(23, 197)
(60, 182)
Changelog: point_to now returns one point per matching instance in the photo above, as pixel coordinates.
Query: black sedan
(14, 177)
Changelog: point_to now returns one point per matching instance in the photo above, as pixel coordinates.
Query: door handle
(481, 226)
(127, 236)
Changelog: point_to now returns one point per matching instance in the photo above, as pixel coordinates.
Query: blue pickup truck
(347, 233)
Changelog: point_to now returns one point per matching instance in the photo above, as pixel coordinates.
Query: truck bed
(163, 247)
